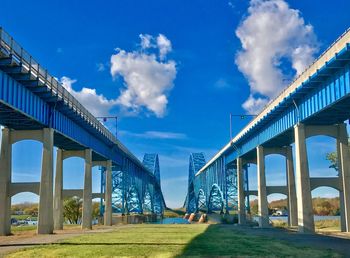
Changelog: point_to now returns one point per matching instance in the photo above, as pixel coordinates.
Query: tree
(72, 209)
(333, 158)
(95, 210)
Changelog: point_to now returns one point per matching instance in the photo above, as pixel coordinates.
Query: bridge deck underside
(334, 114)
(16, 120)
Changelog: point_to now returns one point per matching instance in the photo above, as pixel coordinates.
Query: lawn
(171, 241)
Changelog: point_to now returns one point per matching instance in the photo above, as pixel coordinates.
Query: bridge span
(35, 106)
(317, 102)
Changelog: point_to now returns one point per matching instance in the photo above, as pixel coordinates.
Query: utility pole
(241, 116)
(105, 118)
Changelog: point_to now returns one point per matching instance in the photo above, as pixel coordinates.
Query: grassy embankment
(321, 225)
(172, 241)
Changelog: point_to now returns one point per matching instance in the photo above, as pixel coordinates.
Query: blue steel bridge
(35, 106)
(316, 103)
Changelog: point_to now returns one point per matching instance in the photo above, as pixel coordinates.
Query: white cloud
(97, 104)
(254, 104)
(270, 34)
(164, 45)
(148, 78)
(146, 41)
(156, 135)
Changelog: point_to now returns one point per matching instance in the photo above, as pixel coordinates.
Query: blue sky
(173, 87)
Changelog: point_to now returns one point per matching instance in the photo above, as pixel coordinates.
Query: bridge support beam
(305, 211)
(5, 181)
(240, 190)
(263, 211)
(45, 216)
(292, 197)
(7, 189)
(58, 197)
(344, 169)
(108, 195)
(87, 195)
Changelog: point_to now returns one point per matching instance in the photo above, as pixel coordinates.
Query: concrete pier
(292, 197)
(45, 216)
(344, 165)
(240, 190)
(305, 211)
(5, 180)
(87, 194)
(263, 211)
(108, 195)
(58, 198)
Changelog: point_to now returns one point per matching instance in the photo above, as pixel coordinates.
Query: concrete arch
(322, 130)
(276, 189)
(17, 188)
(331, 182)
(276, 151)
(22, 135)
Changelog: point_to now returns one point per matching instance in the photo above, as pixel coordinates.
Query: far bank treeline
(72, 210)
(321, 206)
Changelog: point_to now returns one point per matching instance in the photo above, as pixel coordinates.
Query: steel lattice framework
(134, 191)
(212, 192)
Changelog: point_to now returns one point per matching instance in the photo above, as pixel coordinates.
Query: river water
(173, 221)
(316, 218)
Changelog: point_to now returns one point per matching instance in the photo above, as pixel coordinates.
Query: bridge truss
(215, 191)
(134, 191)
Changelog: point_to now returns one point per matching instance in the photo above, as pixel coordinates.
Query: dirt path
(30, 239)
(339, 242)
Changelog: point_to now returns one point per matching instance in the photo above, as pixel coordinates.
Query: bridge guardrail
(36, 71)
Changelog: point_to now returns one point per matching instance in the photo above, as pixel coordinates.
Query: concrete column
(58, 198)
(45, 218)
(108, 195)
(240, 190)
(5, 181)
(344, 162)
(292, 196)
(87, 195)
(263, 211)
(341, 193)
(305, 211)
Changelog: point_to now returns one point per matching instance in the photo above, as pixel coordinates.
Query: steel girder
(134, 191)
(213, 191)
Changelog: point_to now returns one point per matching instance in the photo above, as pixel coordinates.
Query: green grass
(327, 225)
(171, 241)
(23, 228)
(320, 225)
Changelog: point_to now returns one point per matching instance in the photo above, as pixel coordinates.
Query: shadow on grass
(228, 240)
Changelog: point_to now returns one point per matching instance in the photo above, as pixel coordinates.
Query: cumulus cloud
(97, 104)
(164, 46)
(271, 34)
(148, 78)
